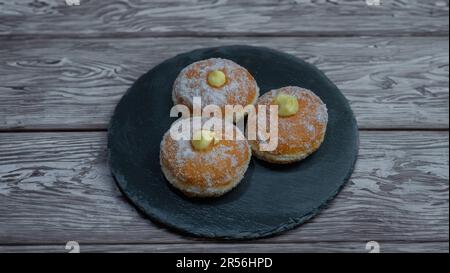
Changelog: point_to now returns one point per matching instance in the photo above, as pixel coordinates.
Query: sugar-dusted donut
(301, 131)
(216, 81)
(211, 169)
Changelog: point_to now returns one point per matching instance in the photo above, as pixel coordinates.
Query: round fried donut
(239, 88)
(205, 173)
(300, 134)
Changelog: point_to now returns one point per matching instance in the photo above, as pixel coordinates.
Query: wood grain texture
(56, 187)
(75, 83)
(222, 17)
(310, 247)
(65, 68)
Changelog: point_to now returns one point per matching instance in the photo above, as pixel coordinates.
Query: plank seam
(87, 130)
(225, 243)
(133, 35)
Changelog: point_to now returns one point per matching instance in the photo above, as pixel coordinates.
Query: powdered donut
(204, 173)
(237, 88)
(300, 134)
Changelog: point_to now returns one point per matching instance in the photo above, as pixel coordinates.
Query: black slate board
(271, 198)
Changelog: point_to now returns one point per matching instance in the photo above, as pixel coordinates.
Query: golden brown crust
(299, 135)
(210, 172)
(239, 89)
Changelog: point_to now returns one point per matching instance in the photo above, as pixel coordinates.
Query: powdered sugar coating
(205, 172)
(239, 89)
(299, 134)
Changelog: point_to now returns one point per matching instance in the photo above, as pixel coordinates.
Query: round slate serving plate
(271, 198)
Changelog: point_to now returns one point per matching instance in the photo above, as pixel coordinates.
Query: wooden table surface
(63, 68)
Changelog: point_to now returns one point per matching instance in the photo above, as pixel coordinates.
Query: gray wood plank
(75, 83)
(232, 17)
(56, 187)
(320, 247)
